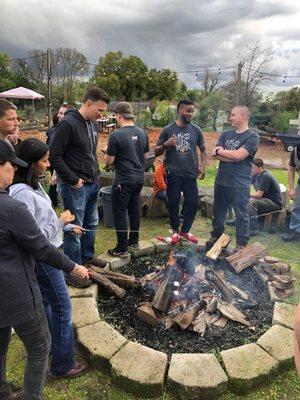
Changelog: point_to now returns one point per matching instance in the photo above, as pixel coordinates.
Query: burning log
(246, 257)
(229, 311)
(107, 284)
(146, 314)
(220, 244)
(219, 283)
(127, 281)
(185, 318)
(164, 292)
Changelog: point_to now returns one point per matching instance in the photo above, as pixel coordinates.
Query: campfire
(195, 294)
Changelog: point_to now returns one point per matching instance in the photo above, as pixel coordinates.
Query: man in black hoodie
(73, 156)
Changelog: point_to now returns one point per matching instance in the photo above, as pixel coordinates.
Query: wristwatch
(217, 151)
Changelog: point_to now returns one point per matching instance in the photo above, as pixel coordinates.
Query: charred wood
(111, 287)
(127, 281)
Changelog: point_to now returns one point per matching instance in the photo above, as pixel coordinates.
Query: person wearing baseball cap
(7, 153)
(126, 149)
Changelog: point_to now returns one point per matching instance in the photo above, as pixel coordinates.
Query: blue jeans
(36, 338)
(58, 311)
(295, 217)
(83, 203)
(188, 186)
(238, 198)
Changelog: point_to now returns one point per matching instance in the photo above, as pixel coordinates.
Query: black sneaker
(77, 282)
(133, 246)
(239, 247)
(116, 252)
(291, 236)
(210, 242)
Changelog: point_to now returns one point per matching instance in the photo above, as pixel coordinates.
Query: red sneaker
(175, 238)
(189, 237)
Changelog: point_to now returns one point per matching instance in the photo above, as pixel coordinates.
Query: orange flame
(171, 259)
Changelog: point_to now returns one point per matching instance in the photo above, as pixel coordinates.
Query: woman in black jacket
(21, 245)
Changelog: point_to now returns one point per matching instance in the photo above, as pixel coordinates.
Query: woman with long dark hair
(21, 245)
(26, 188)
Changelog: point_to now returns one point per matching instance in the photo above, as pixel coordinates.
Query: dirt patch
(270, 151)
(122, 314)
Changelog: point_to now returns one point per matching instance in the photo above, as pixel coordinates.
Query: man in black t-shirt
(294, 192)
(126, 149)
(235, 149)
(181, 141)
(267, 196)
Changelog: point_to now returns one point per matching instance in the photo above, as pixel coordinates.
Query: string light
(195, 71)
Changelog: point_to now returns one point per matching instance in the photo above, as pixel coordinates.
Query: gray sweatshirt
(39, 205)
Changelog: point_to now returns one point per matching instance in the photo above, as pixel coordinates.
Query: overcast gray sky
(180, 35)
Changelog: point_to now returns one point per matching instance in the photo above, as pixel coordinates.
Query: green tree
(288, 100)
(9, 78)
(123, 77)
(212, 104)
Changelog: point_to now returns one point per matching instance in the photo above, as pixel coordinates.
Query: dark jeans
(162, 195)
(83, 203)
(58, 311)
(260, 206)
(36, 337)
(238, 198)
(188, 186)
(125, 197)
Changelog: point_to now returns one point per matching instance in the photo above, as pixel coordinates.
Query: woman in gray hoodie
(28, 190)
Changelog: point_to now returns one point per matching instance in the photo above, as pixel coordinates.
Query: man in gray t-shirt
(235, 149)
(180, 140)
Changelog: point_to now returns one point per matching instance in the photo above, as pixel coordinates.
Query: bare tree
(34, 68)
(211, 81)
(68, 66)
(257, 68)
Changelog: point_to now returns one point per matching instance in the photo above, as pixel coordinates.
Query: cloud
(164, 34)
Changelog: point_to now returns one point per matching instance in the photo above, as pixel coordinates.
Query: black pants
(188, 186)
(125, 197)
(36, 338)
(238, 198)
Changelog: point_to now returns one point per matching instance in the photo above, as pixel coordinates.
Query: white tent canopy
(21, 93)
(24, 94)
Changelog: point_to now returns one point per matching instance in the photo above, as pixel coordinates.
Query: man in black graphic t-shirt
(235, 149)
(180, 140)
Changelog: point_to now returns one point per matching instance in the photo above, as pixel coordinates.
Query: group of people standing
(33, 296)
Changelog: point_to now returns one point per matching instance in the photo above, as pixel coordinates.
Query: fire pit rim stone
(92, 296)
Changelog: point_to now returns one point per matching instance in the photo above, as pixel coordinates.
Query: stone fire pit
(147, 372)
